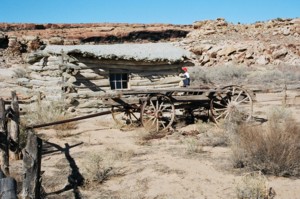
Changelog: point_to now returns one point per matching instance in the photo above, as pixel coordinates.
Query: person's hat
(184, 69)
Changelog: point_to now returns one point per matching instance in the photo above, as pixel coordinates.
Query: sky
(145, 11)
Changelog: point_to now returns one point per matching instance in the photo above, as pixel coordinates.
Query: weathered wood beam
(122, 62)
(32, 155)
(14, 125)
(4, 148)
(8, 188)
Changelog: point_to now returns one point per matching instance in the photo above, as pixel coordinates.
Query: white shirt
(187, 75)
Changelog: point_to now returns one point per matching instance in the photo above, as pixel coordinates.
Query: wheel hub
(233, 106)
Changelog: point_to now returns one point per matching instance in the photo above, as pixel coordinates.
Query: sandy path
(159, 168)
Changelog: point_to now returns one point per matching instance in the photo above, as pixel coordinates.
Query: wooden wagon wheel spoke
(244, 100)
(157, 125)
(236, 104)
(227, 114)
(150, 120)
(161, 105)
(164, 126)
(223, 113)
(126, 117)
(220, 109)
(152, 104)
(163, 111)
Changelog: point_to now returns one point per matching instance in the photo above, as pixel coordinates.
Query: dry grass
(145, 135)
(272, 149)
(193, 146)
(211, 135)
(267, 76)
(20, 73)
(98, 168)
(223, 74)
(48, 112)
(275, 75)
(254, 186)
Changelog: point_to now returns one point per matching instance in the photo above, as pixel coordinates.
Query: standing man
(186, 81)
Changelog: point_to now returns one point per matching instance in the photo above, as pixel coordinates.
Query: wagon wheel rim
(158, 113)
(232, 103)
(126, 116)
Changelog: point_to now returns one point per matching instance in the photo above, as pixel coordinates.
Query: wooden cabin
(85, 72)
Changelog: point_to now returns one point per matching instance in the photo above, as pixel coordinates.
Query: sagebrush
(254, 186)
(40, 113)
(272, 148)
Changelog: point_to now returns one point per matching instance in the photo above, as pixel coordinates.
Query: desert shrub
(254, 186)
(19, 73)
(273, 75)
(99, 167)
(267, 76)
(193, 146)
(40, 113)
(272, 148)
(63, 133)
(145, 134)
(276, 75)
(212, 135)
(220, 74)
(199, 75)
(291, 73)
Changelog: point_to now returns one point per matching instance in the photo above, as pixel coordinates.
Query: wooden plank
(154, 74)
(152, 87)
(131, 68)
(91, 76)
(32, 167)
(158, 82)
(162, 91)
(122, 101)
(96, 62)
(8, 188)
(4, 148)
(14, 125)
(137, 100)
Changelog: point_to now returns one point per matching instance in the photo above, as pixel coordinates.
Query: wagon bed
(157, 109)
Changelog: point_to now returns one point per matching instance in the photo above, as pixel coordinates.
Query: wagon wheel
(232, 103)
(158, 113)
(126, 116)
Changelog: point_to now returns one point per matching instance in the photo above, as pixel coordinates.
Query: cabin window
(118, 81)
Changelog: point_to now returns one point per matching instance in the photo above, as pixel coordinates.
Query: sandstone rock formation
(217, 42)
(214, 42)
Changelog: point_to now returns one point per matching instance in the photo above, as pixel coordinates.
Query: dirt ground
(128, 167)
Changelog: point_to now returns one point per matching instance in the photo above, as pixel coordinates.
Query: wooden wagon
(158, 109)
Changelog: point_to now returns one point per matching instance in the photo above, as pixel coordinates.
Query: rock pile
(217, 42)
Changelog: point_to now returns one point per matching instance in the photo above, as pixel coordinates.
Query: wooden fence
(10, 150)
(31, 155)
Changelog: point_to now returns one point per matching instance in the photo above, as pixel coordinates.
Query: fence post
(284, 95)
(4, 148)
(32, 155)
(8, 188)
(14, 125)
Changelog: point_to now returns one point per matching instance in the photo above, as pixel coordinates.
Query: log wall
(81, 84)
